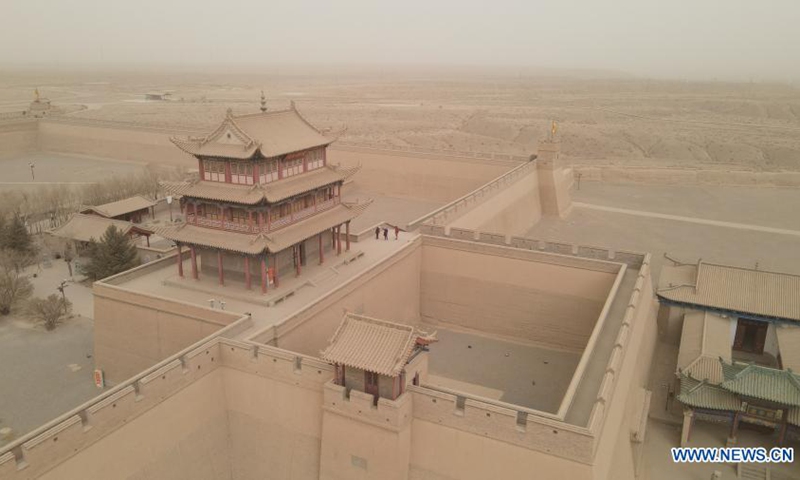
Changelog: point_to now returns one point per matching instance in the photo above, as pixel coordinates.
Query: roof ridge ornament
(263, 102)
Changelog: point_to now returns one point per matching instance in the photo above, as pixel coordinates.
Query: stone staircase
(752, 471)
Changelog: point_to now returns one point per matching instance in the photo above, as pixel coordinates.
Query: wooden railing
(270, 227)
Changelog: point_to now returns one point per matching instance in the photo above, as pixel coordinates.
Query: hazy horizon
(725, 40)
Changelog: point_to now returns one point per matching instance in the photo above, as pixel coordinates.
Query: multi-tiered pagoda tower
(266, 202)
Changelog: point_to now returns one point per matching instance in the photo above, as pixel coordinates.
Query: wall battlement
(515, 426)
(632, 259)
(46, 447)
(394, 415)
(458, 207)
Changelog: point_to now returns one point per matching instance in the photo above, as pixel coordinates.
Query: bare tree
(49, 311)
(14, 287)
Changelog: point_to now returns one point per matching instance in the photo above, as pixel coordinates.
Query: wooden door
(750, 336)
(371, 384)
(741, 329)
(760, 337)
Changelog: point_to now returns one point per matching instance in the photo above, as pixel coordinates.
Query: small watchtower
(367, 412)
(370, 355)
(554, 180)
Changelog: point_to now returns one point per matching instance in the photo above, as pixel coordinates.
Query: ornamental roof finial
(263, 102)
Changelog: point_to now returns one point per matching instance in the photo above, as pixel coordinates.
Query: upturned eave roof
(371, 344)
(735, 289)
(272, 242)
(272, 192)
(271, 134)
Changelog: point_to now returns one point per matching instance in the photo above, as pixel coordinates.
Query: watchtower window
(242, 173)
(213, 170)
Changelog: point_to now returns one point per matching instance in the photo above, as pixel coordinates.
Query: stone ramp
(752, 471)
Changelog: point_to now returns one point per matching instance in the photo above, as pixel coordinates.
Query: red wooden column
(263, 275)
(347, 236)
(247, 279)
(147, 237)
(250, 220)
(297, 259)
(180, 261)
(275, 270)
(321, 255)
(194, 262)
(338, 240)
(219, 268)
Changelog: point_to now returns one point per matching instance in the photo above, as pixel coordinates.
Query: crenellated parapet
(394, 415)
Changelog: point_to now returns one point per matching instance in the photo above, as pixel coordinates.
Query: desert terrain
(602, 121)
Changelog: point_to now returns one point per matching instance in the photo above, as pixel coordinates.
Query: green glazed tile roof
(779, 386)
(701, 394)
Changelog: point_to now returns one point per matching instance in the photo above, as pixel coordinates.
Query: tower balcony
(268, 225)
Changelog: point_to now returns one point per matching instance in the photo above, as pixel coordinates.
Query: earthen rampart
(507, 423)
(42, 449)
(466, 203)
(135, 330)
(389, 290)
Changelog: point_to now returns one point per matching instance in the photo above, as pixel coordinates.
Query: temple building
(82, 229)
(738, 354)
(266, 202)
(133, 209)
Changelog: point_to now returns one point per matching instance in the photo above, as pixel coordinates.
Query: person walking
(377, 233)
(385, 233)
(396, 232)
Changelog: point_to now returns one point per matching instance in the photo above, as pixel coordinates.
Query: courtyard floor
(526, 375)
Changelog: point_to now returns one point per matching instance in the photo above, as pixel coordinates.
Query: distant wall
(133, 331)
(120, 141)
(18, 137)
(487, 288)
(685, 176)
(434, 177)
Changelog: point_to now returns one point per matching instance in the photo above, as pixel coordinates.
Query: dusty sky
(694, 39)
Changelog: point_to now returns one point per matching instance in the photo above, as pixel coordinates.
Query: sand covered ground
(602, 121)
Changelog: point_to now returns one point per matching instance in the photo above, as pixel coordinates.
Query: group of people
(386, 233)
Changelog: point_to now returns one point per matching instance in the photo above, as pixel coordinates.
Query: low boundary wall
(685, 176)
(461, 205)
(632, 259)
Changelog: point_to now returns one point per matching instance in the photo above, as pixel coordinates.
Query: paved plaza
(45, 374)
(58, 168)
(315, 281)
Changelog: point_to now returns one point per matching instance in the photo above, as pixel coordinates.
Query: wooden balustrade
(267, 227)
